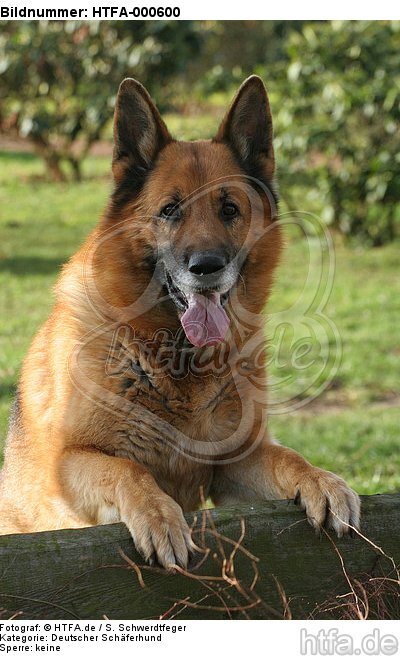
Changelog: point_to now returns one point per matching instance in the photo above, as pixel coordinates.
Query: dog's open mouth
(201, 314)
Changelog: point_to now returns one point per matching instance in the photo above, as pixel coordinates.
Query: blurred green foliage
(334, 89)
(59, 79)
(339, 123)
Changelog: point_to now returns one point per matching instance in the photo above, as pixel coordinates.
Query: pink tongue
(205, 322)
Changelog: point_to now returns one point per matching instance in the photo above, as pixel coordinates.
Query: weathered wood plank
(81, 573)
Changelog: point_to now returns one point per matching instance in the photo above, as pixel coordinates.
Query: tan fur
(96, 442)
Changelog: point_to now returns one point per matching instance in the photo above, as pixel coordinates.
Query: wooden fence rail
(262, 561)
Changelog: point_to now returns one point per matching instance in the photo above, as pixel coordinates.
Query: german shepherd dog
(145, 390)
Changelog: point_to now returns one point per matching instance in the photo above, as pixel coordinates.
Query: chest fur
(175, 427)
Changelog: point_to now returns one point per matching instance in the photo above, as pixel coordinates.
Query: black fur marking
(253, 167)
(144, 379)
(129, 188)
(150, 261)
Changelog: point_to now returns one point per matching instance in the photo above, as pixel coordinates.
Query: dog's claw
(328, 501)
(152, 560)
(327, 513)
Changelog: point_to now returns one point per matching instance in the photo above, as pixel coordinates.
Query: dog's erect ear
(139, 131)
(247, 127)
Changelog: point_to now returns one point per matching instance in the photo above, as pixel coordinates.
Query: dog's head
(200, 210)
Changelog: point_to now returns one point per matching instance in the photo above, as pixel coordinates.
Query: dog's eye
(229, 210)
(171, 211)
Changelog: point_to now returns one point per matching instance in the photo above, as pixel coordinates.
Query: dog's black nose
(204, 262)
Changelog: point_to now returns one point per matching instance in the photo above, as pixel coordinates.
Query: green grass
(361, 444)
(200, 126)
(352, 426)
(41, 224)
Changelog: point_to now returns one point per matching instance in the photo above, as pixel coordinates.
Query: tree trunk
(76, 168)
(51, 158)
(53, 165)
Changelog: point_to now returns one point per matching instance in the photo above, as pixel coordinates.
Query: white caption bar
(330, 638)
(196, 10)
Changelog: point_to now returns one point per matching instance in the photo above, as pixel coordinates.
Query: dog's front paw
(328, 501)
(160, 532)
